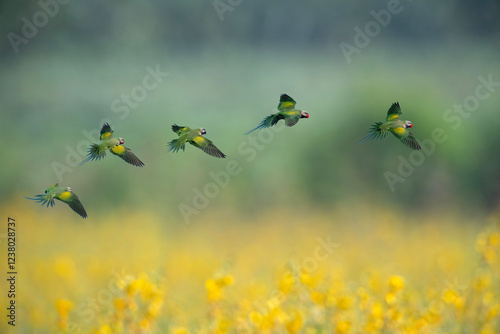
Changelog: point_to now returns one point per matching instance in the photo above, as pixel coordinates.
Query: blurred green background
(226, 71)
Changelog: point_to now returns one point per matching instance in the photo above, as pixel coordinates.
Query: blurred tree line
(195, 24)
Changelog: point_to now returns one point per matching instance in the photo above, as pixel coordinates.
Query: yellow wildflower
(493, 312)
(396, 283)
(295, 324)
(286, 282)
(214, 291)
(343, 326)
(494, 239)
(179, 330)
(63, 307)
(318, 298)
(344, 302)
(449, 296)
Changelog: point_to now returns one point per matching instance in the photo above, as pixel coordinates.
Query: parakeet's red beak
(411, 125)
(307, 116)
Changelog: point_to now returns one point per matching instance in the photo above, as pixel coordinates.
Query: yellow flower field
(344, 271)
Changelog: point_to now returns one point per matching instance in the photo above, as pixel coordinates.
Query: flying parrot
(65, 195)
(115, 146)
(286, 111)
(394, 125)
(194, 137)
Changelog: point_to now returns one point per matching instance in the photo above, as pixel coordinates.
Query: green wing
(207, 146)
(406, 138)
(106, 132)
(291, 117)
(70, 198)
(286, 103)
(126, 154)
(394, 111)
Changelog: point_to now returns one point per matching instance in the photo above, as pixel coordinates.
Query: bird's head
(408, 124)
(202, 131)
(67, 189)
(304, 114)
(121, 141)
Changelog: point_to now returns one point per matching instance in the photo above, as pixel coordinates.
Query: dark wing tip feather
(214, 151)
(77, 206)
(286, 98)
(411, 142)
(176, 128)
(394, 109)
(131, 158)
(106, 128)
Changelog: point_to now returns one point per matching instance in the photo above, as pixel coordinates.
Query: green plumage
(114, 145)
(65, 195)
(286, 112)
(195, 138)
(395, 126)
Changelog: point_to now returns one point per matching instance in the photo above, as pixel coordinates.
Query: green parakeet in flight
(65, 195)
(287, 112)
(115, 146)
(395, 126)
(195, 138)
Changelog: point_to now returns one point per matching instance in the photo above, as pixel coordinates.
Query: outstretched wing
(394, 111)
(180, 129)
(291, 117)
(406, 138)
(106, 132)
(126, 154)
(286, 103)
(74, 203)
(268, 121)
(207, 146)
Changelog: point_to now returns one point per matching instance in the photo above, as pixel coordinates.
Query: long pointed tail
(175, 145)
(375, 132)
(43, 199)
(96, 152)
(266, 122)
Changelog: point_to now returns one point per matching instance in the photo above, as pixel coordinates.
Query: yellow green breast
(118, 149)
(199, 140)
(399, 130)
(65, 196)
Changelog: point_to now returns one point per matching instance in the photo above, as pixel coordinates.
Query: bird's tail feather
(175, 145)
(96, 152)
(375, 132)
(266, 122)
(42, 199)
